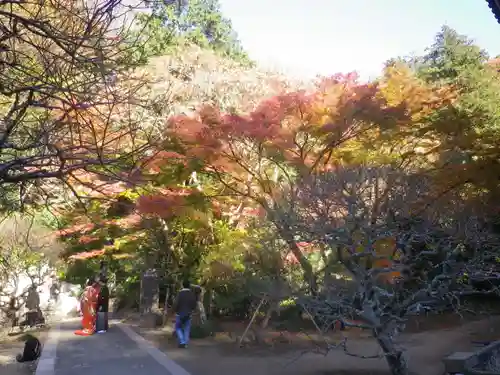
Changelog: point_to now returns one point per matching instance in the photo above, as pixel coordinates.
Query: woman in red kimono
(88, 306)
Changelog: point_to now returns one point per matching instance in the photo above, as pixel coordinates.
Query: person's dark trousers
(101, 322)
(105, 316)
(183, 328)
(102, 318)
(103, 307)
(31, 318)
(106, 323)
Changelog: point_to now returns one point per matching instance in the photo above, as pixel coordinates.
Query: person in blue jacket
(184, 306)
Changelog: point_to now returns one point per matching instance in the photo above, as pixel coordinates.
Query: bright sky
(328, 36)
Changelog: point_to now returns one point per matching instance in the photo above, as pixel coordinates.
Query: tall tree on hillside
(468, 131)
(196, 21)
(451, 56)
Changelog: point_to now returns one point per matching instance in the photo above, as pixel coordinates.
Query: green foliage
(451, 56)
(79, 272)
(455, 60)
(233, 299)
(206, 329)
(227, 249)
(468, 130)
(9, 198)
(199, 22)
(127, 293)
(26, 251)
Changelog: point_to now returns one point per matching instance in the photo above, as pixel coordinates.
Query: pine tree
(199, 22)
(451, 56)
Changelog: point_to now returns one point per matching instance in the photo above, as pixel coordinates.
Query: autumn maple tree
(259, 155)
(64, 90)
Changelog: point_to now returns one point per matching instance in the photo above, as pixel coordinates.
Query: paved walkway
(120, 351)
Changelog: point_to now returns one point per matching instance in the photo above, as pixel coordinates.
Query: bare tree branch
(66, 87)
(396, 259)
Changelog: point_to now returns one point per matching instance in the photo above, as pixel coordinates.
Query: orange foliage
(400, 88)
(302, 126)
(94, 185)
(81, 228)
(87, 128)
(249, 153)
(87, 254)
(85, 240)
(128, 221)
(97, 253)
(387, 277)
(165, 203)
(154, 163)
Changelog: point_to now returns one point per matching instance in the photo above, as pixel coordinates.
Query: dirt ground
(11, 345)
(426, 342)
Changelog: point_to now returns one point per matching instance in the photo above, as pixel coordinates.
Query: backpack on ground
(32, 350)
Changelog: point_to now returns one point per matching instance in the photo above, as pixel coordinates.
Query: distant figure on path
(88, 308)
(33, 306)
(184, 305)
(54, 291)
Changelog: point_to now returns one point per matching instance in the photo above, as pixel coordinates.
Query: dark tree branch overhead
(58, 111)
(495, 7)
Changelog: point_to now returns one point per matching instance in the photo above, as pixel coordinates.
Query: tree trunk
(394, 357)
(199, 315)
(286, 234)
(309, 277)
(208, 297)
(165, 306)
(196, 318)
(273, 306)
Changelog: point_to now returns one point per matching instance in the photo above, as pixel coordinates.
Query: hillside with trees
(162, 149)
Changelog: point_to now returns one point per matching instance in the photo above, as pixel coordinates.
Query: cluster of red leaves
(154, 163)
(95, 185)
(164, 203)
(212, 130)
(129, 221)
(97, 253)
(85, 239)
(87, 254)
(78, 228)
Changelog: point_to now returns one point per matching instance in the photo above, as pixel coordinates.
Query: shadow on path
(110, 353)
